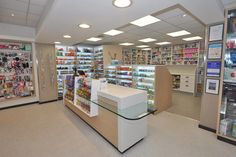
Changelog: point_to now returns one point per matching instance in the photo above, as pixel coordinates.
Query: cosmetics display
(156, 56)
(65, 61)
(69, 87)
(227, 114)
(178, 55)
(16, 78)
(110, 74)
(144, 79)
(191, 53)
(126, 57)
(98, 62)
(85, 60)
(124, 75)
(166, 55)
(176, 81)
(85, 91)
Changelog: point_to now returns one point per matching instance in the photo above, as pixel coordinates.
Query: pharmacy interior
(131, 72)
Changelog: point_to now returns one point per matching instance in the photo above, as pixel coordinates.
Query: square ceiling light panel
(126, 44)
(94, 39)
(113, 32)
(178, 33)
(147, 40)
(192, 38)
(164, 43)
(144, 21)
(142, 46)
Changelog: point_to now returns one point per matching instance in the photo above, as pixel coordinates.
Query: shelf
(66, 57)
(230, 81)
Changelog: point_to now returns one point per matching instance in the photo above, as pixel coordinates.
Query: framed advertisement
(212, 86)
(216, 32)
(215, 51)
(213, 69)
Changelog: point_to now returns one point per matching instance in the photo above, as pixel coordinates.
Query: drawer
(186, 88)
(188, 81)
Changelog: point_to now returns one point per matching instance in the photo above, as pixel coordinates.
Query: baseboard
(207, 128)
(20, 105)
(226, 140)
(43, 102)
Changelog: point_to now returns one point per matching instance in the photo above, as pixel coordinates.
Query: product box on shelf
(226, 127)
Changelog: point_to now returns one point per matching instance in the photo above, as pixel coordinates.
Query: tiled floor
(190, 109)
(52, 130)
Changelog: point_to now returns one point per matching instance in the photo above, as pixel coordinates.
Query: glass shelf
(127, 113)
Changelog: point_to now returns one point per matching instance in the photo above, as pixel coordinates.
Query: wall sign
(214, 51)
(216, 32)
(213, 68)
(212, 86)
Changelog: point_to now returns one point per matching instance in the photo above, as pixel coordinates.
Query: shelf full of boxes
(98, 62)
(65, 60)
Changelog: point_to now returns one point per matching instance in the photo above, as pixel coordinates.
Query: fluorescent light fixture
(147, 40)
(67, 36)
(192, 38)
(142, 46)
(164, 43)
(113, 32)
(147, 49)
(144, 21)
(94, 39)
(122, 3)
(179, 33)
(126, 44)
(84, 25)
(57, 42)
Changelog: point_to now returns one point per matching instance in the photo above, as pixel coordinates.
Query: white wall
(16, 32)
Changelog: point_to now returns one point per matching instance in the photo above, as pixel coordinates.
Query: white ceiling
(63, 16)
(27, 12)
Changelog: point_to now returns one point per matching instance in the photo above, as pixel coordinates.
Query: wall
(15, 32)
(47, 72)
(112, 49)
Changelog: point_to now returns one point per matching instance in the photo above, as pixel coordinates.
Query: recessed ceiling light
(94, 39)
(67, 36)
(57, 42)
(122, 3)
(144, 21)
(184, 15)
(12, 14)
(192, 38)
(164, 43)
(147, 49)
(113, 32)
(142, 46)
(147, 40)
(83, 25)
(178, 33)
(126, 44)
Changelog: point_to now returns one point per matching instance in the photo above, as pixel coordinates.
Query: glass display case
(16, 71)
(227, 112)
(69, 84)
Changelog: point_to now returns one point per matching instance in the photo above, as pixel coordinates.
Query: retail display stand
(156, 80)
(118, 114)
(226, 128)
(85, 90)
(17, 84)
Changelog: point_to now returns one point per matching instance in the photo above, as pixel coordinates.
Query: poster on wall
(214, 51)
(213, 68)
(212, 86)
(216, 32)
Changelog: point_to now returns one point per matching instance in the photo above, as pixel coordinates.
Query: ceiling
(26, 12)
(54, 18)
(171, 21)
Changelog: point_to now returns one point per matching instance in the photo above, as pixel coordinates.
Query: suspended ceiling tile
(170, 14)
(32, 23)
(16, 21)
(169, 29)
(39, 2)
(35, 9)
(14, 5)
(128, 28)
(158, 26)
(33, 17)
(8, 12)
(139, 31)
(180, 19)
